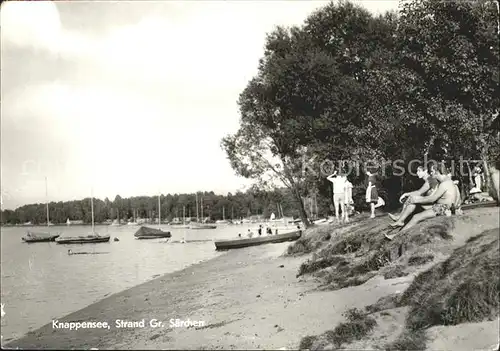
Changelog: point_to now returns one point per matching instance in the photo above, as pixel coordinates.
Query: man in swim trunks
(429, 186)
(437, 204)
(339, 194)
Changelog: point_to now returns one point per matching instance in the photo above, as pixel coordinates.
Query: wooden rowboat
(92, 238)
(198, 226)
(259, 240)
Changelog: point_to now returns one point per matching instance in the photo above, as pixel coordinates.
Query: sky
(129, 98)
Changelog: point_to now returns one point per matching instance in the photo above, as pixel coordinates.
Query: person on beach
(372, 193)
(349, 200)
(429, 186)
(478, 177)
(250, 234)
(259, 231)
(439, 203)
(339, 194)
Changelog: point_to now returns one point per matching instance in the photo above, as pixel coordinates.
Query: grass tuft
(384, 303)
(395, 272)
(409, 341)
(419, 260)
(311, 266)
(307, 342)
(312, 240)
(357, 326)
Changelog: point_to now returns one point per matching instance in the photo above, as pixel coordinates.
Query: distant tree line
(349, 85)
(239, 205)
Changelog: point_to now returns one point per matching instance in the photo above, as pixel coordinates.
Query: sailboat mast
(159, 211)
(92, 207)
(47, 201)
(197, 218)
(201, 205)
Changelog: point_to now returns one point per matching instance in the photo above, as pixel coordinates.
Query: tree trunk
(302, 210)
(429, 146)
(471, 180)
(487, 179)
(495, 180)
(490, 175)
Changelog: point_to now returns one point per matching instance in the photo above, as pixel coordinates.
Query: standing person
(372, 193)
(338, 191)
(478, 177)
(349, 205)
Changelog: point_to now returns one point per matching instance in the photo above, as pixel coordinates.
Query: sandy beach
(248, 299)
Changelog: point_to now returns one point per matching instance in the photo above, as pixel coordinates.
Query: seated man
(429, 186)
(439, 203)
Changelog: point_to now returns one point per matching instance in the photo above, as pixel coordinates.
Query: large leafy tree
(318, 94)
(449, 53)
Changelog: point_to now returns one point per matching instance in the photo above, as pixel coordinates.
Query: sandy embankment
(249, 299)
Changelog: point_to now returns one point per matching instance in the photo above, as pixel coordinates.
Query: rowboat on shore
(151, 233)
(267, 239)
(32, 237)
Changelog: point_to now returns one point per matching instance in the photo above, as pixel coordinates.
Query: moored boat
(40, 237)
(259, 240)
(151, 233)
(91, 238)
(202, 226)
(32, 237)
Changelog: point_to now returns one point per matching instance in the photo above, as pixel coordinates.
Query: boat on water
(82, 239)
(91, 238)
(40, 237)
(152, 233)
(198, 226)
(134, 221)
(259, 240)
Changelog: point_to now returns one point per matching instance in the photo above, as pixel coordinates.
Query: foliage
(238, 205)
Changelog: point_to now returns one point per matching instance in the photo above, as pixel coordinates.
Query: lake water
(41, 282)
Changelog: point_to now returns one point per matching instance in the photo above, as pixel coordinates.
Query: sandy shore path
(248, 298)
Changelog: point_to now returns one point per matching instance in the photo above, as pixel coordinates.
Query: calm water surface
(41, 282)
